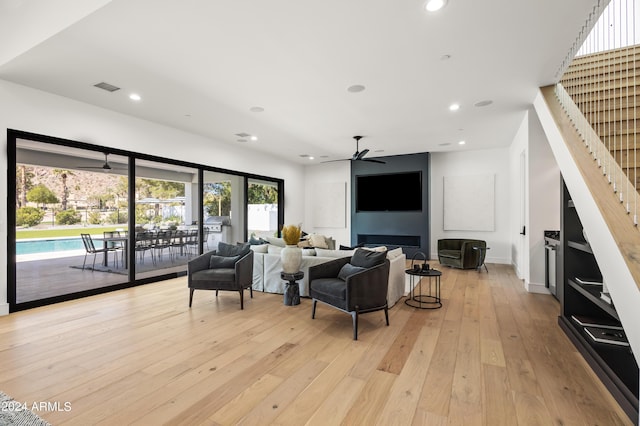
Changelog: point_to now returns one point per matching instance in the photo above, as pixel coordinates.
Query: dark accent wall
(409, 230)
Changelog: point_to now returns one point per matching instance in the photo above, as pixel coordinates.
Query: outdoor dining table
(125, 246)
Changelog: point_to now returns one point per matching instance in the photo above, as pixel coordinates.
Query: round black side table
(292, 290)
(430, 300)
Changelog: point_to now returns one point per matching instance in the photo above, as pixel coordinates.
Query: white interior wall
(31, 110)
(470, 163)
(544, 201)
(519, 250)
(339, 171)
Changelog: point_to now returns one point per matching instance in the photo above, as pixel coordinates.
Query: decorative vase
(291, 257)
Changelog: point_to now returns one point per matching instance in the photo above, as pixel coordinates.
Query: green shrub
(94, 218)
(67, 217)
(29, 216)
(116, 218)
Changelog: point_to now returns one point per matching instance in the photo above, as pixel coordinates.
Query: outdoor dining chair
(90, 248)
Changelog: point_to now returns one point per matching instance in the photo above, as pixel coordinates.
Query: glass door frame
(12, 145)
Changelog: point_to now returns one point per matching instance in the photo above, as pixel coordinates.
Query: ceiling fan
(106, 166)
(359, 155)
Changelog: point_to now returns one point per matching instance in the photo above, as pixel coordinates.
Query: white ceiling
(200, 65)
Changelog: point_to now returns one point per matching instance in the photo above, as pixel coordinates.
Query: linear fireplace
(412, 241)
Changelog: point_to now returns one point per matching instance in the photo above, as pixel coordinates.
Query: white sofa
(267, 267)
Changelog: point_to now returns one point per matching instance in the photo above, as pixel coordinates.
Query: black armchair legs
(354, 316)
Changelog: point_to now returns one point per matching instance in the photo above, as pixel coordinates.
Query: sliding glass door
(90, 219)
(71, 220)
(262, 208)
(166, 207)
(222, 208)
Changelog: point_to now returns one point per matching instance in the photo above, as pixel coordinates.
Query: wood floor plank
(531, 410)
(337, 404)
(466, 393)
(497, 397)
(394, 360)
(404, 396)
(435, 396)
(308, 401)
(493, 354)
(371, 399)
(277, 401)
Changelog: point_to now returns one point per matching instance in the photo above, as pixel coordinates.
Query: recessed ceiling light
(454, 107)
(433, 5)
(461, 143)
(253, 138)
(445, 144)
(134, 97)
(356, 88)
(311, 158)
(256, 109)
(483, 103)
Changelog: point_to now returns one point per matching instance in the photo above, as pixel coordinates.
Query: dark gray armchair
(354, 285)
(211, 271)
(460, 252)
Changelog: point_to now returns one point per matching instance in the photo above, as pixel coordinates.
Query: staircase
(606, 87)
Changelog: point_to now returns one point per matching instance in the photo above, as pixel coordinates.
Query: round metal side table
(430, 300)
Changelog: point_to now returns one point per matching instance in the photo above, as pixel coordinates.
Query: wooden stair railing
(605, 86)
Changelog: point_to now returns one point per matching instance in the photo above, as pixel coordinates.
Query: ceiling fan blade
(362, 154)
(371, 160)
(333, 161)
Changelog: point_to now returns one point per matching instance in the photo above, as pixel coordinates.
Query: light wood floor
(493, 355)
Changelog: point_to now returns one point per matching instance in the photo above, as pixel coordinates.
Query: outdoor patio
(44, 278)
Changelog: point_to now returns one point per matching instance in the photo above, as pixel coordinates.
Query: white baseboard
(4, 309)
(536, 288)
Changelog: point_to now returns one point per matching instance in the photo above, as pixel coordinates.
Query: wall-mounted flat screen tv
(391, 192)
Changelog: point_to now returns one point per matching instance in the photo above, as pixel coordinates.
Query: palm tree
(23, 184)
(63, 173)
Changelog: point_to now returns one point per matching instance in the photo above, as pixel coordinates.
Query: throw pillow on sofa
(318, 241)
(367, 258)
(334, 253)
(260, 248)
(351, 248)
(276, 241)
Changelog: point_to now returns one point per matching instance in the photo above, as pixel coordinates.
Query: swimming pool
(44, 246)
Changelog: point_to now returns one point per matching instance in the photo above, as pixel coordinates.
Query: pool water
(44, 246)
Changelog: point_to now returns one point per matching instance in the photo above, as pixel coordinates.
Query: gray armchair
(353, 285)
(210, 271)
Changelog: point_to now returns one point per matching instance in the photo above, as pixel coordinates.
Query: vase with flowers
(291, 255)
